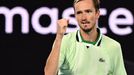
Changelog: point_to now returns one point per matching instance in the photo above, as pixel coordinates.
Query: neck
(90, 36)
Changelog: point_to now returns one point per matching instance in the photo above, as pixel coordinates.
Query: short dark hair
(96, 3)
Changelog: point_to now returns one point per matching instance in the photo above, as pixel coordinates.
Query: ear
(98, 14)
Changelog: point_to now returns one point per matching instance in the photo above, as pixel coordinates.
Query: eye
(88, 11)
(78, 12)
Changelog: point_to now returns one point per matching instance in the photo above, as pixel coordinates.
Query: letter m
(9, 14)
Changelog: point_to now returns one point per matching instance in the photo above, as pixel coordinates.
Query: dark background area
(26, 54)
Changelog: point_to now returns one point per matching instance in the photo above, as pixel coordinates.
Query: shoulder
(110, 42)
(111, 46)
(70, 36)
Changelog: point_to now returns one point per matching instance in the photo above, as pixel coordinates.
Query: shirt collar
(79, 39)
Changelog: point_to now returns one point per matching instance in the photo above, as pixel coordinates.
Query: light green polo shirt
(80, 58)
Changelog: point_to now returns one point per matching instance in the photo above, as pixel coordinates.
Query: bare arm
(51, 67)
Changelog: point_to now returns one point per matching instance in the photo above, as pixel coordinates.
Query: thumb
(67, 21)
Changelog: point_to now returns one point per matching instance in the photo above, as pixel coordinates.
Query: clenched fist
(62, 26)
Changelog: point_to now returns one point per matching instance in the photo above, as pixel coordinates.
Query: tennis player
(86, 51)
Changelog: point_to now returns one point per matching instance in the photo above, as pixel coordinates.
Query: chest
(87, 59)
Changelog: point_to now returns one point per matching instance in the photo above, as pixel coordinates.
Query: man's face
(86, 15)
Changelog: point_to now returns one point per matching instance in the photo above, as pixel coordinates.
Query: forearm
(52, 61)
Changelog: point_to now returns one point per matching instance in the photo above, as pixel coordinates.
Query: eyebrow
(84, 10)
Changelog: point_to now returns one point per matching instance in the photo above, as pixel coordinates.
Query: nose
(83, 17)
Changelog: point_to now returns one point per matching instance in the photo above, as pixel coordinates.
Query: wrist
(59, 36)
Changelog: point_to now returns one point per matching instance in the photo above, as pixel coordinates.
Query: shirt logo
(101, 60)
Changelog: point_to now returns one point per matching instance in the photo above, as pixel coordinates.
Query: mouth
(85, 23)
